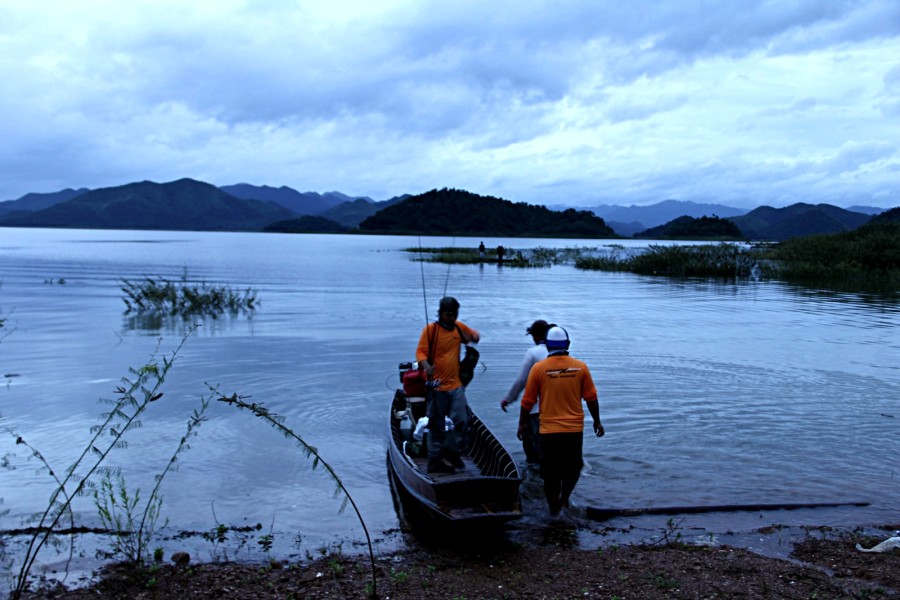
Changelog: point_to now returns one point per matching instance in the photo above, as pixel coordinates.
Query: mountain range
(798, 219)
(180, 205)
(187, 204)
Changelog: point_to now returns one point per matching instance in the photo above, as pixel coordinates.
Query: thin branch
(277, 422)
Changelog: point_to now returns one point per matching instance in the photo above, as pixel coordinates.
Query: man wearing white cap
(560, 382)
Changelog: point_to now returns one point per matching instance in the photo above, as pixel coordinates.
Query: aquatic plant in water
(708, 260)
(162, 296)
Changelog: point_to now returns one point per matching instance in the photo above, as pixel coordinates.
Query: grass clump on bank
(718, 260)
(162, 296)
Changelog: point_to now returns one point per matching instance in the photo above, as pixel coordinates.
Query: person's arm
(469, 335)
(524, 414)
(529, 399)
(589, 393)
(594, 409)
(422, 353)
(519, 384)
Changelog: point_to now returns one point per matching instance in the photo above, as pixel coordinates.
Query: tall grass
(709, 260)
(162, 296)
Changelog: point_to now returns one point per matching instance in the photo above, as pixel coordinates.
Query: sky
(564, 102)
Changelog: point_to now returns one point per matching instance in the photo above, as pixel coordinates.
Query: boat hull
(486, 491)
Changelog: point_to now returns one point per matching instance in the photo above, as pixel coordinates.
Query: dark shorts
(561, 454)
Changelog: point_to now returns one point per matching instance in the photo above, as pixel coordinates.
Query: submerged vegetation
(162, 296)
(712, 260)
(865, 259)
(512, 257)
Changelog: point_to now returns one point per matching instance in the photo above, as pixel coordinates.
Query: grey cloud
(801, 106)
(854, 155)
(889, 99)
(639, 109)
(522, 99)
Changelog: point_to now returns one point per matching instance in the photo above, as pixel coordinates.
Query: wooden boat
(485, 492)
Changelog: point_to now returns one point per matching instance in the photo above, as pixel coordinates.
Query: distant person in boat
(535, 354)
(438, 354)
(481, 251)
(559, 383)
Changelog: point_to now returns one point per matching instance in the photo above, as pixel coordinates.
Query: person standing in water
(560, 382)
(535, 354)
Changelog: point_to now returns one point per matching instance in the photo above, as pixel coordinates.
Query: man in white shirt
(538, 352)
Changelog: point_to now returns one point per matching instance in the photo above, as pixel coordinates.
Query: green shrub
(867, 256)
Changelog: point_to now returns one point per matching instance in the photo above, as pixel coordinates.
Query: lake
(711, 393)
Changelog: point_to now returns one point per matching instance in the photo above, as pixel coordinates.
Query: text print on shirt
(563, 373)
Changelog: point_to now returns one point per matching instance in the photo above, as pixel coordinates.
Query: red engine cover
(414, 383)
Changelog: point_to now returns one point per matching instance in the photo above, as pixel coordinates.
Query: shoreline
(825, 564)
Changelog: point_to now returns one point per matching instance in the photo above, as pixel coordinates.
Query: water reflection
(886, 300)
(712, 392)
(176, 324)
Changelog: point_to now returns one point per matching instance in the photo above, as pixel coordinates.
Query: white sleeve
(519, 384)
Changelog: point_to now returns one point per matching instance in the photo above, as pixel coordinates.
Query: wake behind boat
(486, 491)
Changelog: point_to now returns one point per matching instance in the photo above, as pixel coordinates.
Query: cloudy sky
(578, 102)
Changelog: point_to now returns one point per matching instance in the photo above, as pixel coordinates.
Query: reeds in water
(162, 296)
(709, 260)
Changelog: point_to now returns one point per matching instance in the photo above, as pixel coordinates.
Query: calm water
(711, 393)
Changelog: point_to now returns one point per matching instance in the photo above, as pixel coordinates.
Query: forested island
(458, 212)
(691, 228)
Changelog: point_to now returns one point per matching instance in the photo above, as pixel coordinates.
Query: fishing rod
(422, 268)
(449, 263)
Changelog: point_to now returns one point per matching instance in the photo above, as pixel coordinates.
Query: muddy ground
(824, 565)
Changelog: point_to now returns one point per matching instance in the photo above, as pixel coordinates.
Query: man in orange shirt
(438, 354)
(560, 382)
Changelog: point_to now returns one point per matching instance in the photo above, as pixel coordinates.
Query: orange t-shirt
(560, 382)
(444, 345)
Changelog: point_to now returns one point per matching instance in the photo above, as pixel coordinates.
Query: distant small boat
(485, 492)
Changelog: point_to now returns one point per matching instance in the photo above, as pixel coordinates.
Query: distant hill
(660, 213)
(458, 212)
(33, 202)
(306, 224)
(179, 205)
(689, 228)
(866, 210)
(351, 214)
(888, 216)
(767, 223)
(626, 229)
(302, 203)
